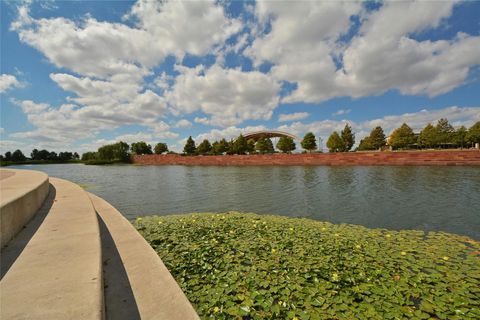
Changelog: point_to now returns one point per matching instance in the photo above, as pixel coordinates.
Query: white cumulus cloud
(8, 81)
(285, 117)
(227, 96)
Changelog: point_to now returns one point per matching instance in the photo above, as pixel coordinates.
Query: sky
(76, 75)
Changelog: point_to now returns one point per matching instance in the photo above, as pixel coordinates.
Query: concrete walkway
(79, 258)
(152, 292)
(58, 274)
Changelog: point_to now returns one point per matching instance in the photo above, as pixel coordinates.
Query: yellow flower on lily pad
(291, 229)
(358, 246)
(335, 276)
(445, 258)
(216, 309)
(273, 250)
(403, 253)
(160, 222)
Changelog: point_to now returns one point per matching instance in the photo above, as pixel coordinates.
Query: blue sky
(76, 75)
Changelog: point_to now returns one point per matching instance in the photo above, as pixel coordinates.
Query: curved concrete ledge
(58, 273)
(152, 292)
(22, 194)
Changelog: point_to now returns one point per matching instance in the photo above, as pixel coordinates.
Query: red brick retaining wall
(405, 158)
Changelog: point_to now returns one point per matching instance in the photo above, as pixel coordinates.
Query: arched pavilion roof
(257, 135)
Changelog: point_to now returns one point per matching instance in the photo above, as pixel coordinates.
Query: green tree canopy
(8, 156)
(460, 136)
(204, 147)
(473, 134)
(377, 138)
(445, 131)
(87, 156)
(220, 147)
(118, 151)
(251, 146)
(161, 148)
(365, 144)
(141, 147)
(264, 145)
(402, 137)
(65, 156)
(309, 142)
(428, 136)
(335, 143)
(34, 154)
(240, 145)
(286, 144)
(18, 156)
(348, 138)
(190, 147)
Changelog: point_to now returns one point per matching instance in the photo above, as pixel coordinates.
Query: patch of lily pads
(247, 266)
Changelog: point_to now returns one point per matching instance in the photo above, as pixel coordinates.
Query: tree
(87, 156)
(121, 151)
(428, 136)
(190, 147)
(220, 147)
(18, 156)
(105, 152)
(117, 151)
(335, 143)
(365, 144)
(43, 155)
(309, 142)
(65, 156)
(76, 156)
(34, 154)
(473, 134)
(52, 156)
(8, 156)
(240, 145)
(460, 137)
(445, 131)
(264, 145)
(286, 144)
(348, 138)
(250, 146)
(377, 138)
(141, 147)
(402, 137)
(205, 147)
(161, 148)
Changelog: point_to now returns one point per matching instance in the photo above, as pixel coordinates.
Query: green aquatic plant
(248, 266)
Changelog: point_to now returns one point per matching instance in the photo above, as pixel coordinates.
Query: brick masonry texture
(401, 158)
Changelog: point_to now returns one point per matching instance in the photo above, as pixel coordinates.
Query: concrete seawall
(23, 192)
(404, 158)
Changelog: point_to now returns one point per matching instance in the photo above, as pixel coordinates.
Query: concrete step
(22, 194)
(137, 283)
(53, 268)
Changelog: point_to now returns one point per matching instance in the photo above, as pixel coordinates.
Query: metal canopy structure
(257, 135)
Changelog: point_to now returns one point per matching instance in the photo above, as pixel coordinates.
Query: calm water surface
(426, 198)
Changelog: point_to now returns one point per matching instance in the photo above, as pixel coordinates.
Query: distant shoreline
(397, 158)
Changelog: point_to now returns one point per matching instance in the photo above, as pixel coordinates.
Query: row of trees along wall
(121, 152)
(39, 156)
(442, 135)
(240, 146)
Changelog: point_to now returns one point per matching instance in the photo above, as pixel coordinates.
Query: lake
(425, 198)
